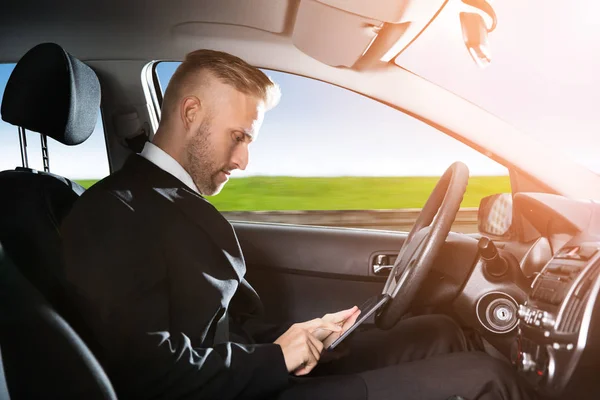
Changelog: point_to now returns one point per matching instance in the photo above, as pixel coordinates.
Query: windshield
(543, 78)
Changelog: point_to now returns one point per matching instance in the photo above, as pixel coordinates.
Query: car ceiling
(125, 29)
(153, 29)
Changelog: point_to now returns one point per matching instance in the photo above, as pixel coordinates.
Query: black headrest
(53, 93)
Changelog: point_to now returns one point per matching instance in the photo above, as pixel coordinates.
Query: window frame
(154, 92)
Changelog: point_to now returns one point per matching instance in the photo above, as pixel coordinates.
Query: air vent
(571, 318)
(572, 315)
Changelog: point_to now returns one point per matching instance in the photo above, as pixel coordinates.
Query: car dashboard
(558, 331)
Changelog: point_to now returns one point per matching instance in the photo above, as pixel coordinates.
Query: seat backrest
(53, 93)
(31, 210)
(3, 386)
(42, 357)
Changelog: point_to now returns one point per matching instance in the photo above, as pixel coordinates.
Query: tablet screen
(366, 310)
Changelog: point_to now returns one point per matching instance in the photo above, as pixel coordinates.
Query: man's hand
(344, 318)
(301, 349)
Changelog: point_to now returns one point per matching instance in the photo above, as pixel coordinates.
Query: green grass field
(343, 193)
(86, 183)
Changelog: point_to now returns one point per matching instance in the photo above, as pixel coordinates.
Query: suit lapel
(202, 213)
(206, 216)
(221, 232)
(196, 208)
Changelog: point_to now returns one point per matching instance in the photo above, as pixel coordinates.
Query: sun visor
(392, 11)
(333, 36)
(342, 32)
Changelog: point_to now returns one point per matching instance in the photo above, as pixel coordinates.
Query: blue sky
(316, 130)
(322, 130)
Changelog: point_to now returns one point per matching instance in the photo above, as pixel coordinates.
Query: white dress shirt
(164, 161)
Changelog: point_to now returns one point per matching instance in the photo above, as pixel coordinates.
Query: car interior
(526, 284)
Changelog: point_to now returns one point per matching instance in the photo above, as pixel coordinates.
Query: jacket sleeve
(169, 366)
(247, 317)
(260, 331)
(148, 293)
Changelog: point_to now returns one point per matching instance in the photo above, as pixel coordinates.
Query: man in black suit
(158, 276)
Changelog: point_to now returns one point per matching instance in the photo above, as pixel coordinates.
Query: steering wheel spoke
(423, 244)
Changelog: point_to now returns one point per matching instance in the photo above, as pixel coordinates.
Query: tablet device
(366, 310)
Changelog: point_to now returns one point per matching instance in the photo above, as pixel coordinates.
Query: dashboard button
(568, 253)
(556, 299)
(548, 320)
(527, 363)
(551, 284)
(548, 295)
(554, 267)
(569, 269)
(523, 311)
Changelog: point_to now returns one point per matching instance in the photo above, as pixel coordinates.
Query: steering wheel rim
(423, 244)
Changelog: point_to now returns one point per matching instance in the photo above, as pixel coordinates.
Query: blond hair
(229, 69)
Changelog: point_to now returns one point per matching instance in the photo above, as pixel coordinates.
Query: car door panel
(315, 250)
(302, 272)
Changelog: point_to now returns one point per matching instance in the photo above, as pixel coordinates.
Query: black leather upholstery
(50, 92)
(3, 386)
(32, 206)
(53, 93)
(43, 358)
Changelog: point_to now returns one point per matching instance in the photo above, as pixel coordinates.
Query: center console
(557, 323)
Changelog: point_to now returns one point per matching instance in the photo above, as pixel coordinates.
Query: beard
(201, 166)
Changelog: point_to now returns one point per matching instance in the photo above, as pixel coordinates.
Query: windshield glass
(543, 78)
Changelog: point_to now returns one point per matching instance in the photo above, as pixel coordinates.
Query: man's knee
(442, 324)
(440, 332)
(492, 378)
(468, 375)
(487, 367)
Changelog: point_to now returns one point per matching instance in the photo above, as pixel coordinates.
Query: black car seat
(3, 386)
(41, 356)
(53, 93)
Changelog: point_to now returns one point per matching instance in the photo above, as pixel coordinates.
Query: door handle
(383, 264)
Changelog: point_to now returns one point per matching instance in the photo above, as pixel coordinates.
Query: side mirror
(495, 214)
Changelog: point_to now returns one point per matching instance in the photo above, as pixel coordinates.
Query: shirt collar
(164, 161)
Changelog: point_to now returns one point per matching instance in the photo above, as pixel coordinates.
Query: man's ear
(190, 110)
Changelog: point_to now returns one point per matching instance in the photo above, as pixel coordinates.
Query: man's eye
(239, 138)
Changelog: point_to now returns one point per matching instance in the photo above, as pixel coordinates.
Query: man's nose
(240, 157)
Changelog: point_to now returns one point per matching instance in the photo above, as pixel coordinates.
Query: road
(396, 220)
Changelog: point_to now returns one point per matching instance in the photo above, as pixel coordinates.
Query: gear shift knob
(493, 262)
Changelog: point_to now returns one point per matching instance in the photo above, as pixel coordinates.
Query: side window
(330, 157)
(85, 163)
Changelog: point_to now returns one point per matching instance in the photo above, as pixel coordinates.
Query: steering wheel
(423, 244)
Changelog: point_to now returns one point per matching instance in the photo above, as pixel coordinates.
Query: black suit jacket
(158, 277)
